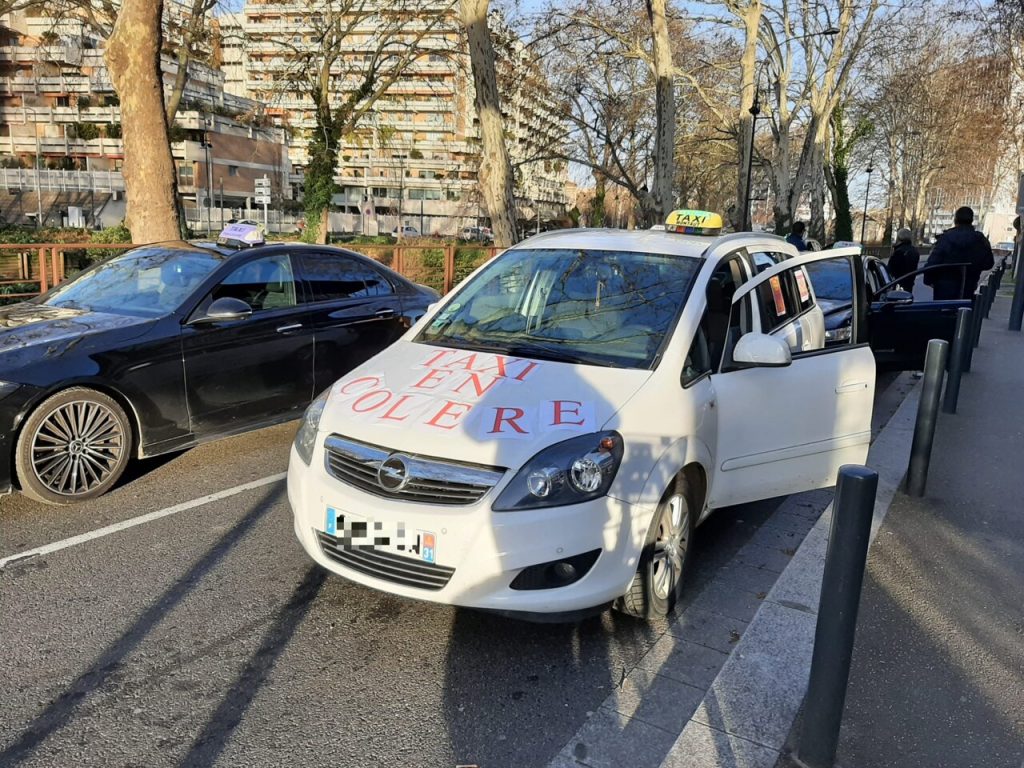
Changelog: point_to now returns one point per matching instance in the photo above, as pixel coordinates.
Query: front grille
(430, 480)
(385, 565)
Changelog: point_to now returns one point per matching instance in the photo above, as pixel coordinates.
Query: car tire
(73, 447)
(661, 573)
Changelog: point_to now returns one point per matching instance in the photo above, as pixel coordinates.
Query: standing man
(962, 244)
(796, 236)
(904, 260)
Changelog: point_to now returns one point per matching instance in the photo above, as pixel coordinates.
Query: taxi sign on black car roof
(687, 222)
(241, 234)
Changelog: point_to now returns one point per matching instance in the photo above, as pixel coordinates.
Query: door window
(335, 278)
(719, 325)
(764, 259)
(780, 301)
(264, 284)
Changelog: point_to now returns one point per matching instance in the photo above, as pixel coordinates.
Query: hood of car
(836, 311)
(28, 330)
(476, 407)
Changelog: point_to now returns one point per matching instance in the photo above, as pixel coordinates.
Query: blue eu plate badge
(331, 526)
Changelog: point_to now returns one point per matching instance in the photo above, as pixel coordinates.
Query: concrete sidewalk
(938, 667)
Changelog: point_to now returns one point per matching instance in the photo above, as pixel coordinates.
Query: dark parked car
(170, 345)
(899, 326)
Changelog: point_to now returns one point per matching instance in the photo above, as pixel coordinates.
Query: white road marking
(140, 520)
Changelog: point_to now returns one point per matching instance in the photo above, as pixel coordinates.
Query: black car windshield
(832, 279)
(149, 281)
(610, 308)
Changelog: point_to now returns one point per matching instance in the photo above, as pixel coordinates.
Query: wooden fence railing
(26, 270)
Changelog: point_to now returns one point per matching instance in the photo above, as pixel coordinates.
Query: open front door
(900, 324)
(789, 429)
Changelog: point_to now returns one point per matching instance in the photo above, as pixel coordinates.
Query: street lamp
(755, 110)
(207, 146)
(867, 191)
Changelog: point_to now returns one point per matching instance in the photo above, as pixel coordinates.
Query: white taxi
(545, 440)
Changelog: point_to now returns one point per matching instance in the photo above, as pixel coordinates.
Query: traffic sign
(263, 183)
(263, 199)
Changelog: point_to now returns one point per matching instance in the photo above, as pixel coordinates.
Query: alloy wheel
(77, 447)
(670, 546)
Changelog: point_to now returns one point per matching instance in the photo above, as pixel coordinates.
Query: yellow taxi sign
(687, 222)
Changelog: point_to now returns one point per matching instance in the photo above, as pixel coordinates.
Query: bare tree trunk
(133, 57)
(192, 30)
(816, 225)
(665, 108)
(751, 18)
(495, 166)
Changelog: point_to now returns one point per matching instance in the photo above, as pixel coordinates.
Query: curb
(745, 718)
(641, 720)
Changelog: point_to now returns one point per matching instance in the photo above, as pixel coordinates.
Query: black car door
(354, 311)
(256, 370)
(900, 325)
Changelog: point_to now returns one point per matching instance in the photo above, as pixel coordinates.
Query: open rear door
(787, 430)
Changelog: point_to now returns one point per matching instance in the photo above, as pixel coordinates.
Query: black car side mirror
(898, 297)
(224, 309)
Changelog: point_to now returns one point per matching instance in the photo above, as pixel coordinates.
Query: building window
(232, 170)
(63, 101)
(186, 174)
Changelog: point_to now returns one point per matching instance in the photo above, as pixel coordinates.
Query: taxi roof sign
(241, 233)
(688, 222)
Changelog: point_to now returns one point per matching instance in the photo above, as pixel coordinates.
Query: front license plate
(365, 533)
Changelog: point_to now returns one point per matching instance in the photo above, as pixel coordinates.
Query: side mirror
(758, 350)
(898, 297)
(224, 310)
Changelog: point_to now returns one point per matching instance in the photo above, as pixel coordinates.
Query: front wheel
(659, 578)
(73, 447)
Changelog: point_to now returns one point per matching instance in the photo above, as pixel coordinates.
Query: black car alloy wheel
(73, 447)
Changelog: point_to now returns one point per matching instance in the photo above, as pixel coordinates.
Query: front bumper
(484, 550)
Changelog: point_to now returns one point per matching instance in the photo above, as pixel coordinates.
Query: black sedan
(899, 326)
(170, 345)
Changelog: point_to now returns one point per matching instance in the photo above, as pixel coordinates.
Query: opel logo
(393, 474)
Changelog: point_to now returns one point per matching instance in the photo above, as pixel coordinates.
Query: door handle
(384, 313)
(852, 386)
(289, 328)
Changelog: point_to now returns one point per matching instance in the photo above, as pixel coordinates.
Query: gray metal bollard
(957, 359)
(927, 416)
(848, 540)
(979, 315)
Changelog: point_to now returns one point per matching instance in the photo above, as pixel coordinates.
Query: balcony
(40, 145)
(61, 181)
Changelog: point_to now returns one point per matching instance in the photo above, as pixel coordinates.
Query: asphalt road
(207, 637)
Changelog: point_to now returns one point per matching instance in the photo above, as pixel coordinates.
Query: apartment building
(416, 155)
(60, 129)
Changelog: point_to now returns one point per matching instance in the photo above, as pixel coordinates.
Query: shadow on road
(222, 723)
(59, 712)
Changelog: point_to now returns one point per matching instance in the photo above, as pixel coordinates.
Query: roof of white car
(638, 240)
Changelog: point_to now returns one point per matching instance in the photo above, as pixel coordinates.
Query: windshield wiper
(551, 354)
(557, 355)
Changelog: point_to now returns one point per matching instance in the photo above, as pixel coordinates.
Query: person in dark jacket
(962, 244)
(904, 260)
(796, 236)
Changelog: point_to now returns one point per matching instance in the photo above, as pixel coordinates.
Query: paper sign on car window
(780, 301)
(801, 283)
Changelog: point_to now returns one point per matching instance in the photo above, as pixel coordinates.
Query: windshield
(150, 282)
(607, 308)
(832, 279)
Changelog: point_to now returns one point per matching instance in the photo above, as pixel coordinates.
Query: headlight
(305, 440)
(569, 472)
(839, 334)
